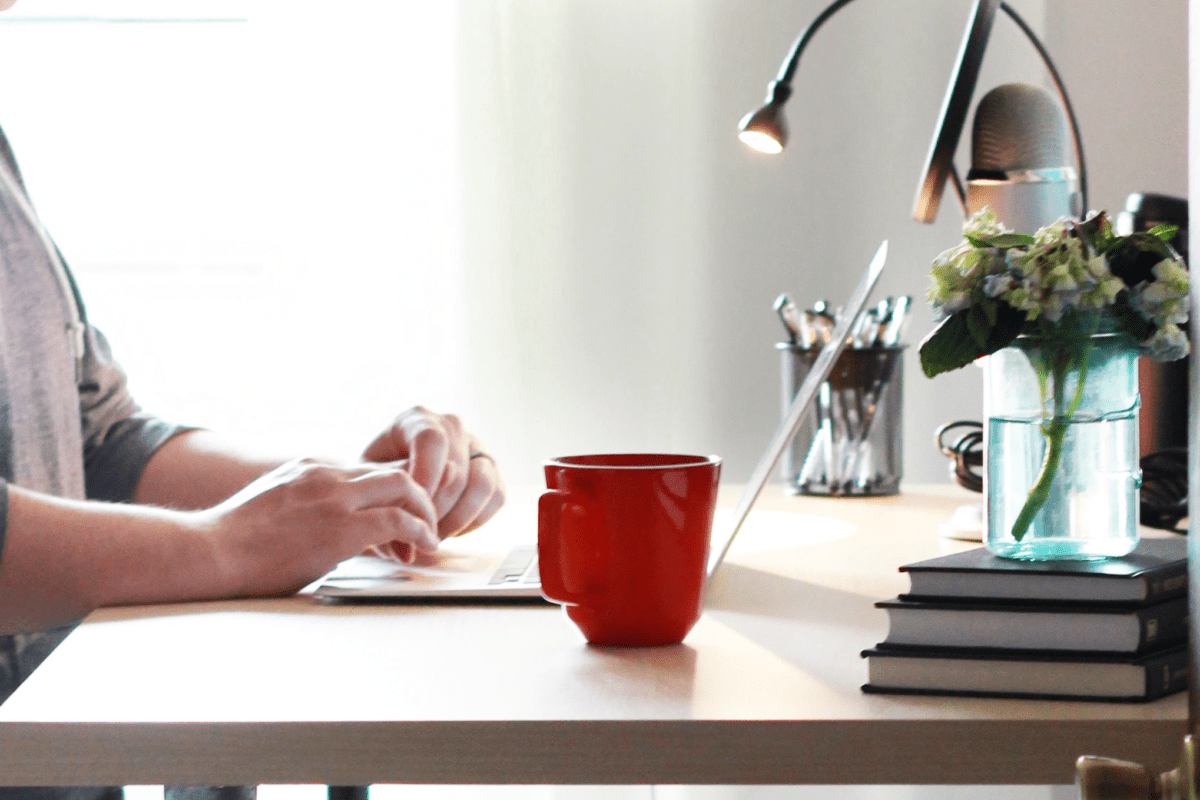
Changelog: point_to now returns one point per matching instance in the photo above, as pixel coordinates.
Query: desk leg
(347, 793)
(210, 792)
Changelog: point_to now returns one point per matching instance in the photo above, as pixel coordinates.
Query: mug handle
(551, 505)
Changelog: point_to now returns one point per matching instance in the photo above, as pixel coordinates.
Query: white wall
(1125, 64)
(618, 230)
(622, 249)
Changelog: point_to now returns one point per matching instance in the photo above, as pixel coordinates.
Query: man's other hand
(449, 462)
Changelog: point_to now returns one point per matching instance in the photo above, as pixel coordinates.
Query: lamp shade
(765, 130)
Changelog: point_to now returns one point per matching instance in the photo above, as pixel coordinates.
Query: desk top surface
(766, 688)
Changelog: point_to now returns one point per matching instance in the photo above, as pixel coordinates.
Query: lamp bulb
(762, 142)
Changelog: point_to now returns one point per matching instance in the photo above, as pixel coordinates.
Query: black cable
(1164, 492)
(1165, 488)
(965, 452)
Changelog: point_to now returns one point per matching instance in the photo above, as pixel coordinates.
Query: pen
(790, 317)
(890, 336)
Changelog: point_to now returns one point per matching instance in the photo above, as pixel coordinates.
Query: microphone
(1020, 165)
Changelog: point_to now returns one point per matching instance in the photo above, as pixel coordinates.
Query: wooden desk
(764, 690)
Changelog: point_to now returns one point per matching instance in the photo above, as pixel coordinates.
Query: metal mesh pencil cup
(849, 443)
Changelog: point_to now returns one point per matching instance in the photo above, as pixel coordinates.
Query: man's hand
(443, 457)
(299, 520)
(64, 558)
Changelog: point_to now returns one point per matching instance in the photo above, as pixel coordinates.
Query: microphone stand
(780, 89)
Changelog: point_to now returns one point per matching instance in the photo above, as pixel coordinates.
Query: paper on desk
(966, 524)
(765, 531)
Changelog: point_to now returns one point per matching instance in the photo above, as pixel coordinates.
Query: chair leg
(347, 793)
(210, 792)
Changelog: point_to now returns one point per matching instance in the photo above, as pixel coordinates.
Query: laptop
(493, 564)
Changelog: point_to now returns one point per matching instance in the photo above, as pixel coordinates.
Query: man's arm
(198, 469)
(211, 521)
(63, 558)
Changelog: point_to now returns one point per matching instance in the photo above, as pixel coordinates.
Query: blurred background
(295, 219)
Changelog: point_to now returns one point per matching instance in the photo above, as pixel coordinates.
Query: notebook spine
(1163, 624)
(1166, 675)
(1168, 583)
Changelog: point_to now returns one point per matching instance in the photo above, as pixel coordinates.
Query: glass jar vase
(1061, 448)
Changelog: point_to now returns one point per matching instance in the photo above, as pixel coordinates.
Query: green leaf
(1003, 241)
(1149, 243)
(1097, 230)
(1007, 327)
(948, 346)
(1164, 232)
(1132, 258)
(953, 343)
(989, 308)
(1008, 240)
(1130, 320)
(977, 326)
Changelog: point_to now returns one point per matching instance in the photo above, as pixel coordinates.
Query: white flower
(1051, 234)
(1026, 295)
(1164, 301)
(957, 273)
(983, 224)
(996, 285)
(1172, 273)
(1167, 344)
(1056, 274)
(1061, 279)
(1104, 286)
(1107, 291)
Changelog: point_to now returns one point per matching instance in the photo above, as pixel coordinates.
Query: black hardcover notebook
(1043, 675)
(1049, 626)
(1155, 571)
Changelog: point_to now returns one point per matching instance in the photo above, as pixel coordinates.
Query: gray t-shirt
(68, 426)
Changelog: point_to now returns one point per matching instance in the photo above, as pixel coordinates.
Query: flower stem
(1055, 430)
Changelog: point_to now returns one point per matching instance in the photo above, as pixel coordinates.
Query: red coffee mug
(623, 543)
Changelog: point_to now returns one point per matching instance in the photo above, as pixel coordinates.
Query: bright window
(260, 201)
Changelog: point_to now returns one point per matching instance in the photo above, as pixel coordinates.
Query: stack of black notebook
(976, 624)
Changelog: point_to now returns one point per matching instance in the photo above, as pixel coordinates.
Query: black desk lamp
(765, 130)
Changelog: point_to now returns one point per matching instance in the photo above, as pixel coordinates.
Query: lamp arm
(781, 88)
(788, 68)
(1062, 96)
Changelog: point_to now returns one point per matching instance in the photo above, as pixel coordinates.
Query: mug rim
(590, 461)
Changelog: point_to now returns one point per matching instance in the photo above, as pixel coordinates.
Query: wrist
(158, 555)
(64, 558)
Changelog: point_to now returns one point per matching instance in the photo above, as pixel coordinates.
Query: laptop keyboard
(520, 566)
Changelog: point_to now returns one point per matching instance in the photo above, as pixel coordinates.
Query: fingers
(391, 498)
(438, 455)
(387, 446)
(400, 552)
(302, 518)
(437, 448)
(479, 501)
(489, 511)
(465, 491)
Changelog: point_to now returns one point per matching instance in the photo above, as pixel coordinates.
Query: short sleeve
(118, 437)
